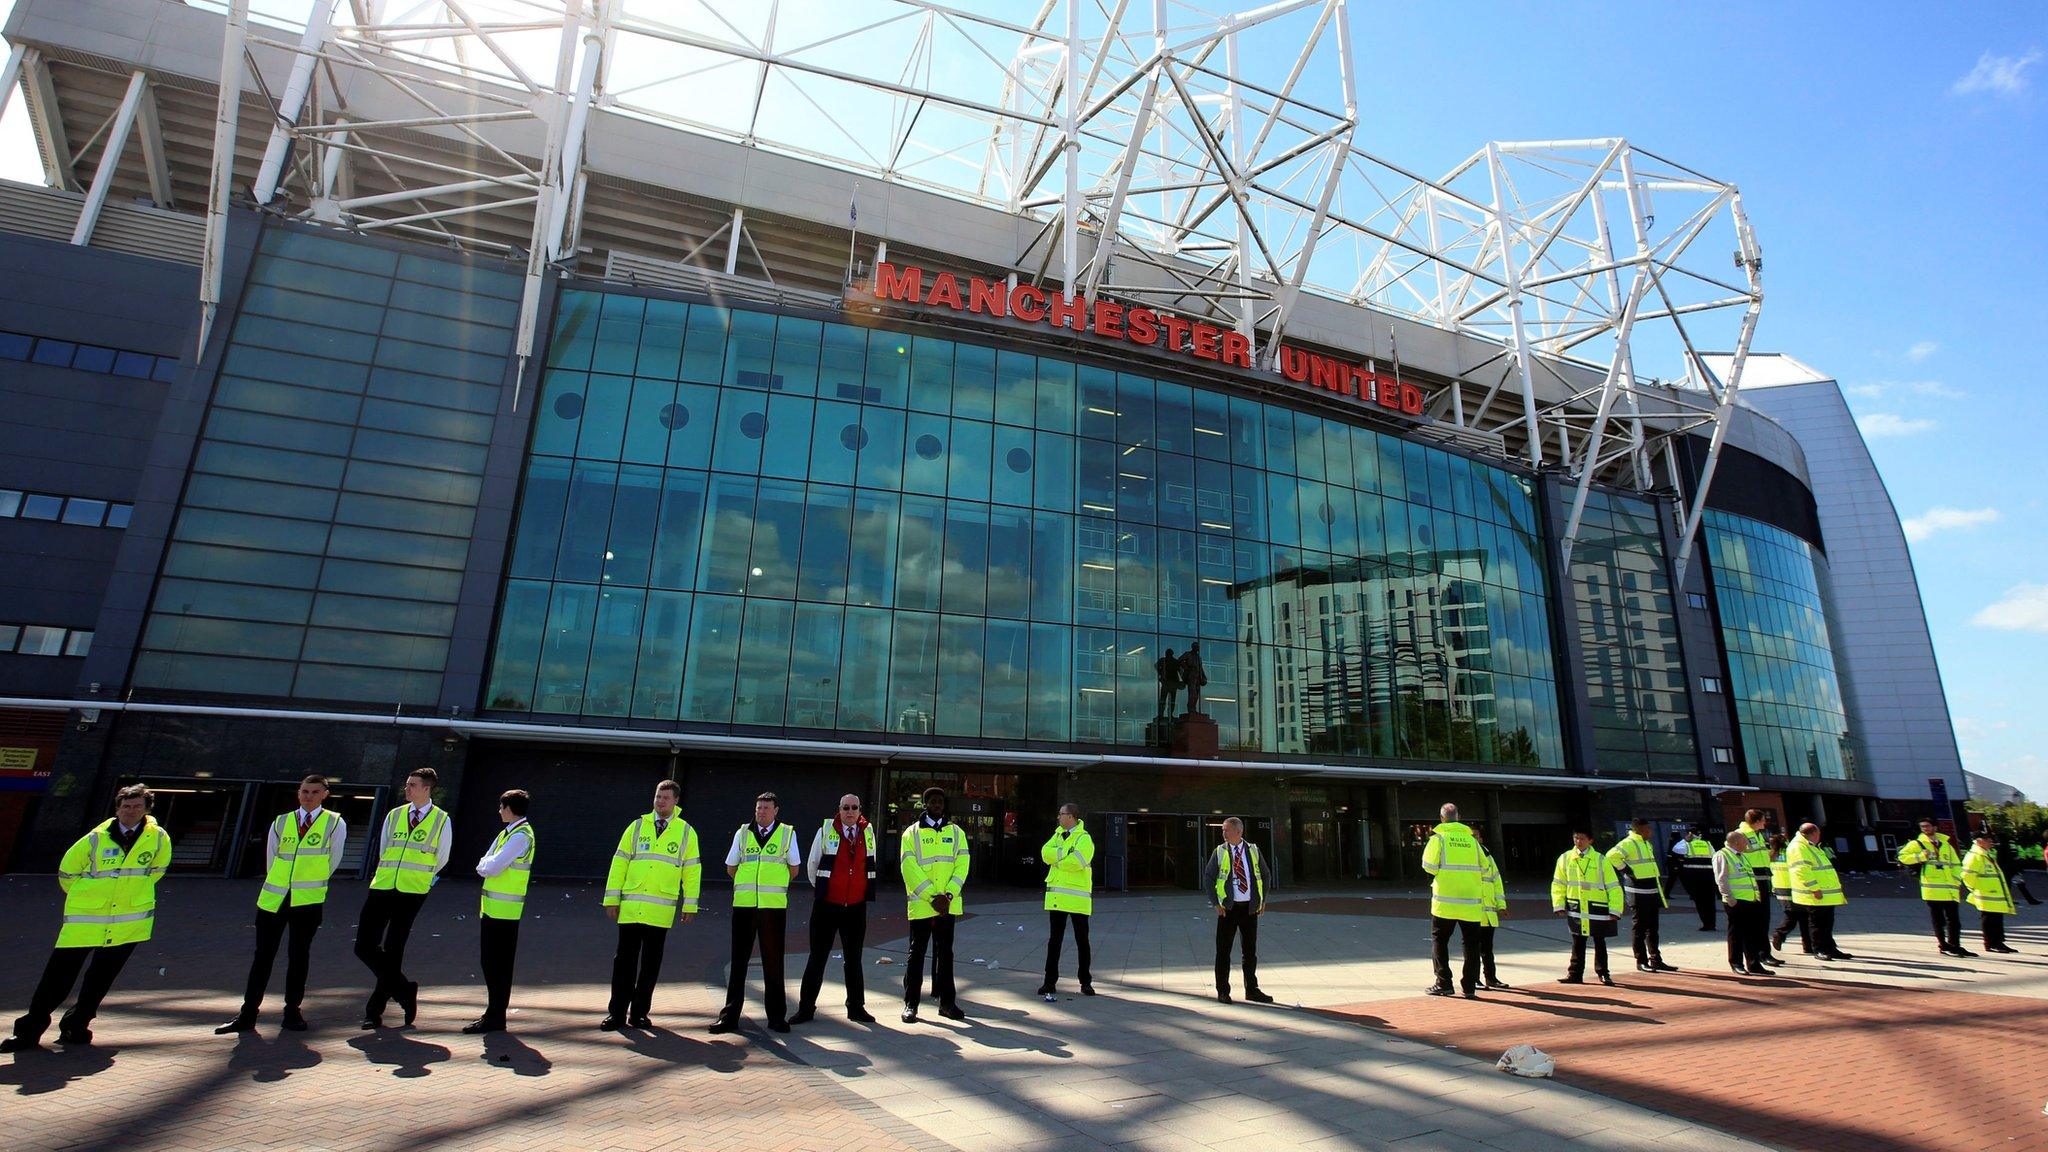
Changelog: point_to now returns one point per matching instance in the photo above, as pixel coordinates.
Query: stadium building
(567, 403)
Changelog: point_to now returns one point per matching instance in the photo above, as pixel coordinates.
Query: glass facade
(735, 519)
(326, 522)
(1628, 637)
(1787, 697)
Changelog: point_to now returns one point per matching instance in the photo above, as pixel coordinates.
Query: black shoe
(859, 1016)
(778, 1025)
(1223, 995)
(803, 1016)
(1257, 996)
(483, 1024)
(79, 1036)
(1644, 968)
(1774, 959)
(1088, 989)
(910, 1015)
(610, 1024)
(1471, 993)
(1964, 953)
(1706, 927)
(1571, 979)
(371, 1023)
(1759, 970)
(724, 1024)
(294, 1020)
(409, 1003)
(2003, 950)
(1608, 980)
(640, 1022)
(1661, 966)
(1738, 969)
(1495, 984)
(244, 1022)
(1044, 990)
(20, 1043)
(952, 1012)
(1432, 990)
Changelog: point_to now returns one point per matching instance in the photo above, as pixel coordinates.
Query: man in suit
(842, 872)
(1235, 880)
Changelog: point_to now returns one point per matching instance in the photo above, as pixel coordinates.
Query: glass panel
(630, 545)
(964, 585)
(787, 453)
(913, 673)
(871, 567)
(778, 537)
(814, 667)
(728, 535)
(657, 682)
(959, 697)
(614, 650)
(864, 671)
(711, 659)
(920, 552)
(796, 355)
(974, 382)
(827, 544)
(763, 691)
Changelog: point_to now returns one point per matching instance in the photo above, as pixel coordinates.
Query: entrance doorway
(1162, 851)
(1532, 848)
(358, 807)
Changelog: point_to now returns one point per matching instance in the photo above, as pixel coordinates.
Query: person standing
(1635, 860)
(1235, 879)
(1694, 855)
(412, 850)
(299, 857)
(1069, 856)
(934, 862)
(109, 879)
(842, 871)
(1941, 885)
(655, 877)
(1736, 883)
(1795, 914)
(1496, 904)
(1585, 890)
(761, 862)
(1457, 901)
(1755, 829)
(505, 870)
(1990, 894)
(1816, 888)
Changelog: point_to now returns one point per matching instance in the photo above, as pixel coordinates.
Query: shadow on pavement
(676, 1048)
(409, 1058)
(40, 1070)
(269, 1061)
(503, 1049)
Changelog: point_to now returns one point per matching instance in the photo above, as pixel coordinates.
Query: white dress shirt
(505, 854)
(1240, 887)
(335, 839)
(739, 839)
(447, 833)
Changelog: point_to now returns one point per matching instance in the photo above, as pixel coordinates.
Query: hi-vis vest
(1986, 880)
(1257, 880)
(828, 858)
(1457, 886)
(1699, 853)
(1814, 883)
(651, 874)
(1496, 891)
(1758, 854)
(1940, 871)
(1585, 886)
(1070, 879)
(1636, 860)
(505, 893)
(302, 867)
(934, 860)
(763, 878)
(1741, 881)
(1781, 878)
(110, 895)
(408, 857)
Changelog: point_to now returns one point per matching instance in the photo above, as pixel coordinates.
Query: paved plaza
(1901, 1049)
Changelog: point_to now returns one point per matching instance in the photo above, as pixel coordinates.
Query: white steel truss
(1209, 163)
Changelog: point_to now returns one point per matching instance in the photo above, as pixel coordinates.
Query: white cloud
(1865, 391)
(2001, 75)
(1891, 424)
(2023, 608)
(1921, 351)
(1946, 519)
(1937, 389)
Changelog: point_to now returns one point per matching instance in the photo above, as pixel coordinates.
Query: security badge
(145, 858)
(419, 835)
(312, 840)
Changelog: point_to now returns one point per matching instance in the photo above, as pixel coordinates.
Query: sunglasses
(849, 807)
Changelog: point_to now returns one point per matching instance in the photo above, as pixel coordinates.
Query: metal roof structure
(1214, 164)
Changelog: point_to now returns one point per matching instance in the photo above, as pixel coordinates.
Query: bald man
(842, 872)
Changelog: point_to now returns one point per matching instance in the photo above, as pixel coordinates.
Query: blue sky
(1893, 160)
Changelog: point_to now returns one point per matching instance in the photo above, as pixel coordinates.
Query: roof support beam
(149, 131)
(110, 158)
(48, 119)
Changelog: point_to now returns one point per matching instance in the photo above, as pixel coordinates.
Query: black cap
(934, 791)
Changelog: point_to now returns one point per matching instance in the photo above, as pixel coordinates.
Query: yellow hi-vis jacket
(1585, 885)
(1814, 883)
(110, 895)
(1457, 885)
(1758, 854)
(652, 873)
(302, 867)
(408, 857)
(505, 894)
(1941, 871)
(1070, 875)
(1986, 880)
(1781, 879)
(1496, 891)
(934, 860)
(762, 879)
(1635, 861)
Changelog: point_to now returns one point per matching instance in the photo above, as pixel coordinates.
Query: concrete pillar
(1395, 854)
(1820, 810)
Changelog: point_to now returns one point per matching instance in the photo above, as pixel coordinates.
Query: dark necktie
(305, 823)
(415, 816)
(1237, 880)
(660, 826)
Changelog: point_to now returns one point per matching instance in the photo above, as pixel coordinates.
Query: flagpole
(853, 233)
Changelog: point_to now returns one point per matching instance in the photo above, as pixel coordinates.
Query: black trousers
(933, 933)
(1239, 920)
(636, 969)
(1795, 917)
(497, 947)
(1822, 918)
(1577, 969)
(58, 977)
(1643, 932)
(1748, 922)
(1486, 932)
(847, 923)
(303, 921)
(381, 933)
(1947, 917)
(1056, 934)
(1473, 938)
(770, 926)
(1699, 884)
(1994, 929)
